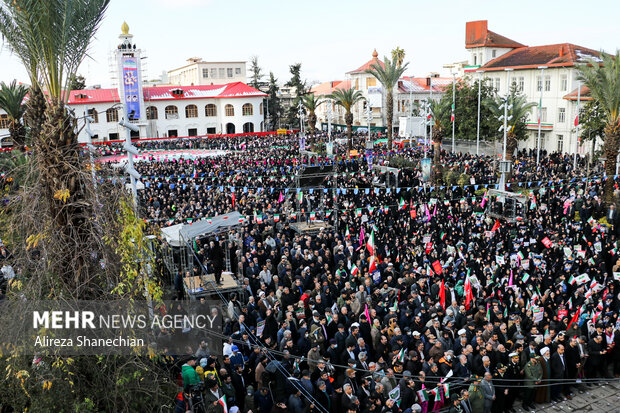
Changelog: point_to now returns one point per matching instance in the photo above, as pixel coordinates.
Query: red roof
(369, 63)
(585, 94)
(555, 55)
(422, 84)
(230, 90)
(327, 88)
(477, 34)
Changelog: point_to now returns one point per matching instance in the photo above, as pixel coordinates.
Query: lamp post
(480, 72)
(453, 107)
(542, 81)
(577, 127)
(504, 165)
(430, 136)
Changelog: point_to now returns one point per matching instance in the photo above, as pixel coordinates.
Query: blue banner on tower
(131, 87)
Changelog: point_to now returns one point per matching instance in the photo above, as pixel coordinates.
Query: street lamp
(577, 127)
(453, 107)
(542, 81)
(504, 165)
(368, 113)
(480, 72)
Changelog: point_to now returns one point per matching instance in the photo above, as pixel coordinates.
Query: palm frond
(12, 98)
(387, 74)
(347, 98)
(603, 79)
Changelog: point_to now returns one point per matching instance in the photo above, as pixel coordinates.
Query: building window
(475, 60)
(93, 115)
(560, 143)
(172, 112)
(113, 136)
(213, 72)
(191, 111)
(237, 70)
(229, 72)
(111, 115)
(192, 132)
(563, 83)
(497, 84)
(4, 121)
(357, 84)
(247, 110)
(261, 108)
(494, 53)
(547, 83)
(210, 131)
(151, 113)
(172, 133)
(205, 73)
(561, 115)
(520, 84)
(543, 115)
(370, 82)
(229, 110)
(222, 72)
(210, 110)
(248, 127)
(538, 83)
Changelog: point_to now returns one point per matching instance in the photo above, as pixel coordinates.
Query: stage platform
(311, 228)
(204, 286)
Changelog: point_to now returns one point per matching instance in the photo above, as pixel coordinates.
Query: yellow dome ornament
(125, 28)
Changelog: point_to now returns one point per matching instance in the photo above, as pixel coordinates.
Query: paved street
(601, 399)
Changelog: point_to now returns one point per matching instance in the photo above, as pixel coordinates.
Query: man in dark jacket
(558, 373)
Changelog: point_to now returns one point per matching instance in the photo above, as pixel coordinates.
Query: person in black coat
(558, 372)
(573, 362)
(239, 383)
(596, 353)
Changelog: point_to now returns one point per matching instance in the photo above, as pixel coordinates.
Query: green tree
(603, 79)
(300, 87)
(77, 82)
(388, 75)
(256, 73)
(466, 110)
(12, 102)
(518, 113)
(347, 98)
(398, 56)
(591, 122)
(274, 104)
(441, 110)
(311, 103)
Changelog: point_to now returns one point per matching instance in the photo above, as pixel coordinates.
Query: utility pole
(542, 85)
(480, 72)
(453, 108)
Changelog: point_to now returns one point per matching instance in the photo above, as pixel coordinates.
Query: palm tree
(388, 75)
(51, 38)
(517, 114)
(398, 55)
(311, 102)
(347, 98)
(11, 101)
(441, 116)
(603, 79)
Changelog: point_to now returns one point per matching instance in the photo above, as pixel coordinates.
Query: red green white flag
(222, 402)
(371, 243)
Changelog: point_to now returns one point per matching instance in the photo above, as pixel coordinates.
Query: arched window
(247, 109)
(261, 108)
(112, 115)
(248, 127)
(191, 111)
(230, 110)
(210, 110)
(151, 113)
(94, 115)
(172, 112)
(230, 128)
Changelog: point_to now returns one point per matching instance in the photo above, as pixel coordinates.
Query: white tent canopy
(175, 235)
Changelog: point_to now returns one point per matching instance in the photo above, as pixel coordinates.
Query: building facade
(198, 72)
(545, 74)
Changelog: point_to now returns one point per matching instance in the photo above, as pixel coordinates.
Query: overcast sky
(332, 37)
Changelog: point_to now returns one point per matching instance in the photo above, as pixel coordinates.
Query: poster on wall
(131, 87)
(426, 169)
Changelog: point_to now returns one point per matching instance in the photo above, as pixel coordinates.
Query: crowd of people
(410, 297)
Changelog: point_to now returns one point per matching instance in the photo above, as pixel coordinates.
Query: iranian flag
(276, 217)
(469, 295)
(401, 355)
(423, 395)
(402, 204)
(241, 219)
(373, 265)
(358, 212)
(371, 243)
(300, 196)
(312, 216)
(452, 114)
(347, 234)
(354, 270)
(222, 402)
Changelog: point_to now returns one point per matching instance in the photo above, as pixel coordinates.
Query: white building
(409, 89)
(500, 58)
(198, 72)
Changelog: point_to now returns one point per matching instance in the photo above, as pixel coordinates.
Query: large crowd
(410, 297)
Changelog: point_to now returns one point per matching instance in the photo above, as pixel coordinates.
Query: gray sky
(332, 37)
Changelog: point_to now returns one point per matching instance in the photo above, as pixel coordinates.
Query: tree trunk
(311, 122)
(35, 114)
(612, 142)
(511, 146)
(437, 167)
(17, 132)
(389, 114)
(348, 118)
(65, 189)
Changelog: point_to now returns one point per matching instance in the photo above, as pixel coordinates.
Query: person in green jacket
(190, 377)
(533, 375)
(476, 398)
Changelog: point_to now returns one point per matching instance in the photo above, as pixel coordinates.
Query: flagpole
(577, 127)
(542, 81)
(478, 127)
(453, 107)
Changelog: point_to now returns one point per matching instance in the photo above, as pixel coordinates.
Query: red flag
(233, 199)
(495, 226)
(437, 267)
(547, 242)
(576, 120)
(575, 318)
(442, 292)
(373, 265)
(412, 213)
(469, 295)
(429, 247)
